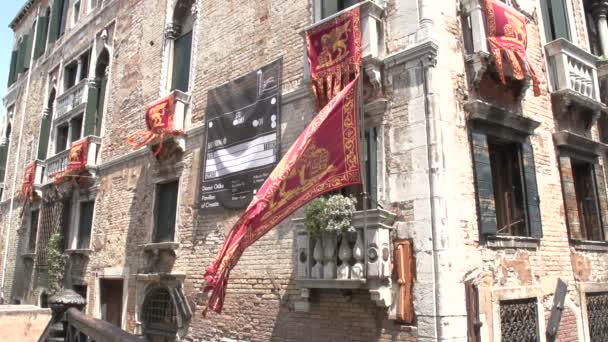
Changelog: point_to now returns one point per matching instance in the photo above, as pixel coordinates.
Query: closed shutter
(27, 50)
(56, 12)
(483, 183)
(371, 137)
(21, 56)
(64, 17)
(2, 162)
(41, 32)
(166, 207)
(532, 198)
(86, 224)
(181, 62)
(91, 111)
(45, 130)
(600, 182)
(472, 302)
(13, 68)
(101, 100)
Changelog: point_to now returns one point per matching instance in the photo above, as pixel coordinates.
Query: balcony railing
(58, 163)
(361, 259)
(72, 99)
(572, 69)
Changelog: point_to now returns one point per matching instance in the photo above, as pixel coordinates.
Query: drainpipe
(17, 159)
(427, 64)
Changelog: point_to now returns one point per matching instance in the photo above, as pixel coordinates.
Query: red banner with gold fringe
(507, 37)
(27, 187)
(324, 158)
(159, 121)
(334, 54)
(77, 161)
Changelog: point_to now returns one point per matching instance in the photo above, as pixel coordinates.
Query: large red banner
(324, 158)
(27, 187)
(507, 36)
(77, 161)
(334, 54)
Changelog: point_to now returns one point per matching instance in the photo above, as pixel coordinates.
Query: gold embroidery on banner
(515, 29)
(332, 43)
(157, 115)
(76, 154)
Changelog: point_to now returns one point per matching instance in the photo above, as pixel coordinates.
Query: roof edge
(21, 14)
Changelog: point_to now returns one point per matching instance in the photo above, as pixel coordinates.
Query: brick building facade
(500, 192)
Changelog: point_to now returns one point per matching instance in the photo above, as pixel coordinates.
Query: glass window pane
(85, 224)
(166, 206)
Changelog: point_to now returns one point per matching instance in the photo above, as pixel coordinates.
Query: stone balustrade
(73, 99)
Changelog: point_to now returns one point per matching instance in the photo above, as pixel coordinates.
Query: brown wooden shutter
(472, 302)
(483, 184)
(569, 193)
(532, 198)
(404, 259)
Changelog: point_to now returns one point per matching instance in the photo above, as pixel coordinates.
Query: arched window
(45, 126)
(101, 80)
(183, 24)
(159, 316)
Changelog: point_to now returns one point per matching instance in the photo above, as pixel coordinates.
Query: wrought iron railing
(519, 320)
(72, 98)
(597, 312)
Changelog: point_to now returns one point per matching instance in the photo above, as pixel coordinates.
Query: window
(97, 95)
(44, 300)
(331, 7)
(519, 320)
(555, 19)
(84, 62)
(81, 290)
(597, 311)
(159, 316)
(587, 201)
(57, 21)
(5, 142)
(76, 12)
(31, 244)
(85, 224)
(506, 189)
(61, 141)
(76, 125)
(45, 126)
(165, 212)
(42, 32)
(64, 16)
(182, 46)
(371, 154)
(70, 75)
(507, 180)
(12, 75)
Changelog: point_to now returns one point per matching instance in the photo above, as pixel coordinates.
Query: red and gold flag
(77, 160)
(159, 121)
(27, 187)
(507, 37)
(324, 158)
(334, 54)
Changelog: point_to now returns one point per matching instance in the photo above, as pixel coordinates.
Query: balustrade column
(79, 70)
(600, 11)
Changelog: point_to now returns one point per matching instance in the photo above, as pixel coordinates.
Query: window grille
(519, 320)
(597, 312)
(159, 314)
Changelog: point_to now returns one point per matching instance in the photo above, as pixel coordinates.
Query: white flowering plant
(332, 215)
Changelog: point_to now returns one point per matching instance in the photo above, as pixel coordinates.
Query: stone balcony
(57, 164)
(372, 39)
(360, 260)
(73, 100)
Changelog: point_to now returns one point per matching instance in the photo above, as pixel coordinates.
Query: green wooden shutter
(483, 183)
(64, 17)
(86, 224)
(560, 19)
(56, 12)
(13, 68)
(91, 111)
(43, 141)
(3, 149)
(532, 198)
(41, 32)
(21, 57)
(371, 135)
(27, 50)
(181, 62)
(101, 100)
(166, 212)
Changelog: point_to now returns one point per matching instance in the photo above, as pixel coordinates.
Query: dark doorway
(111, 300)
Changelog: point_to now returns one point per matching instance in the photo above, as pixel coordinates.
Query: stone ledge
(501, 241)
(500, 122)
(330, 283)
(79, 251)
(587, 245)
(28, 255)
(579, 145)
(160, 245)
(151, 277)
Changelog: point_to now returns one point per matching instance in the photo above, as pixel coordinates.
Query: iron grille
(597, 312)
(159, 314)
(50, 220)
(519, 320)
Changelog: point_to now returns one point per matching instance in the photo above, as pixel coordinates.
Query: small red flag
(324, 158)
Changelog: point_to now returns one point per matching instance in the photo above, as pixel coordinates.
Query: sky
(8, 10)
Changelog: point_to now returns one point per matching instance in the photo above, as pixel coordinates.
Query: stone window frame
(168, 48)
(573, 146)
(112, 273)
(78, 197)
(504, 124)
(145, 283)
(584, 288)
(514, 293)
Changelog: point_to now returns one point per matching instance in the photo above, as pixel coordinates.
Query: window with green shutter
(85, 224)
(181, 62)
(587, 201)
(507, 193)
(27, 50)
(555, 19)
(41, 35)
(20, 56)
(12, 74)
(31, 244)
(165, 212)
